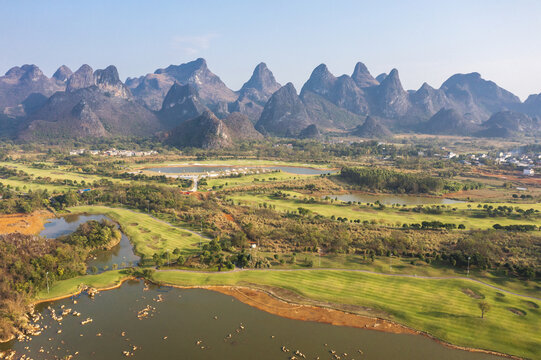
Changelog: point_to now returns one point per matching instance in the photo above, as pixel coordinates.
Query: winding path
(367, 272)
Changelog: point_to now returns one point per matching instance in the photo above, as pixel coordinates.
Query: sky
(425, 40)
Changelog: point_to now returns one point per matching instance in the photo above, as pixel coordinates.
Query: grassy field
(251, 179)
(392, 216)
(70, 286)
(402, 265)
(25, 185)
(439, 307)
(147, 234)
(59, 173)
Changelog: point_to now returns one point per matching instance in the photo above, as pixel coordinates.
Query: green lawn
(250, 179)
(402, 265)
(392, 216)
(59, 173)
(439, 307)
(34, 186)
(147, 234)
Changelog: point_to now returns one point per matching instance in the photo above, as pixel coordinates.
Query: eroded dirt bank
(266, 302)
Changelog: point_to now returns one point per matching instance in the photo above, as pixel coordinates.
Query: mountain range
(173, 102)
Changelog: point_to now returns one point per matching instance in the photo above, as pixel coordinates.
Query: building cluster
(474, 159)
(525, 161)
(113, 152)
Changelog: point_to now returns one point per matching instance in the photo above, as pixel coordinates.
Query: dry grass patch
(28, 224)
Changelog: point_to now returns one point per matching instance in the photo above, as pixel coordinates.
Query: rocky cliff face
(89, 112)
(477, 99)
(181, 103)
(532, 105)
(371, 128)
(362, 77)
(427, 101)
(255, 93)
(284, 114)
(389, 98)
(82, 78)
(510, 123)
(20, 83)
(151, 89)
(62, 74)
(205, 131)
(343, 92)
(108, 81)
(241, 128)
(448, 122)
(182, 92)
(260, 86)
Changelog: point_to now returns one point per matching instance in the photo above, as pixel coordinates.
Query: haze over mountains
(188, 105)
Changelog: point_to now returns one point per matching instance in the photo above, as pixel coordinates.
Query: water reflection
(120, 256)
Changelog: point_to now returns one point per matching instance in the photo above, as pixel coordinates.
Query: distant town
(113, 152)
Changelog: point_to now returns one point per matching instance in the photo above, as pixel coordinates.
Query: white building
(528, 172)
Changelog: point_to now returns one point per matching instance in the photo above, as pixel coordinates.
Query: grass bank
(65, 288)
(447, 309)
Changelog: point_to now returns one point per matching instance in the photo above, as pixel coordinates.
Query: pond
(201, 324)
(122, 254)
(296, 170)
(67, 224)
(394, 199)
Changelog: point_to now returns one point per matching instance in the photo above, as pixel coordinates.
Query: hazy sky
(424, 40)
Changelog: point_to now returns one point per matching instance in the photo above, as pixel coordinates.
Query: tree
(484, 307)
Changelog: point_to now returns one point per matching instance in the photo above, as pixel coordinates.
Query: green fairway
(25, 185)
(147, 234)
(393, 216)
(402, 265)
(251, 179)
(59, 173)
(439, 307)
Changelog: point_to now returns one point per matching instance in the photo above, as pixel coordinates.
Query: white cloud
(192, 45)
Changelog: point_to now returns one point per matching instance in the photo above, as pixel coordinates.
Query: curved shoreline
(61, 297)
(267, 301)
(270, 302)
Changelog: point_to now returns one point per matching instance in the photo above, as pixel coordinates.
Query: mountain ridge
(326, 101)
